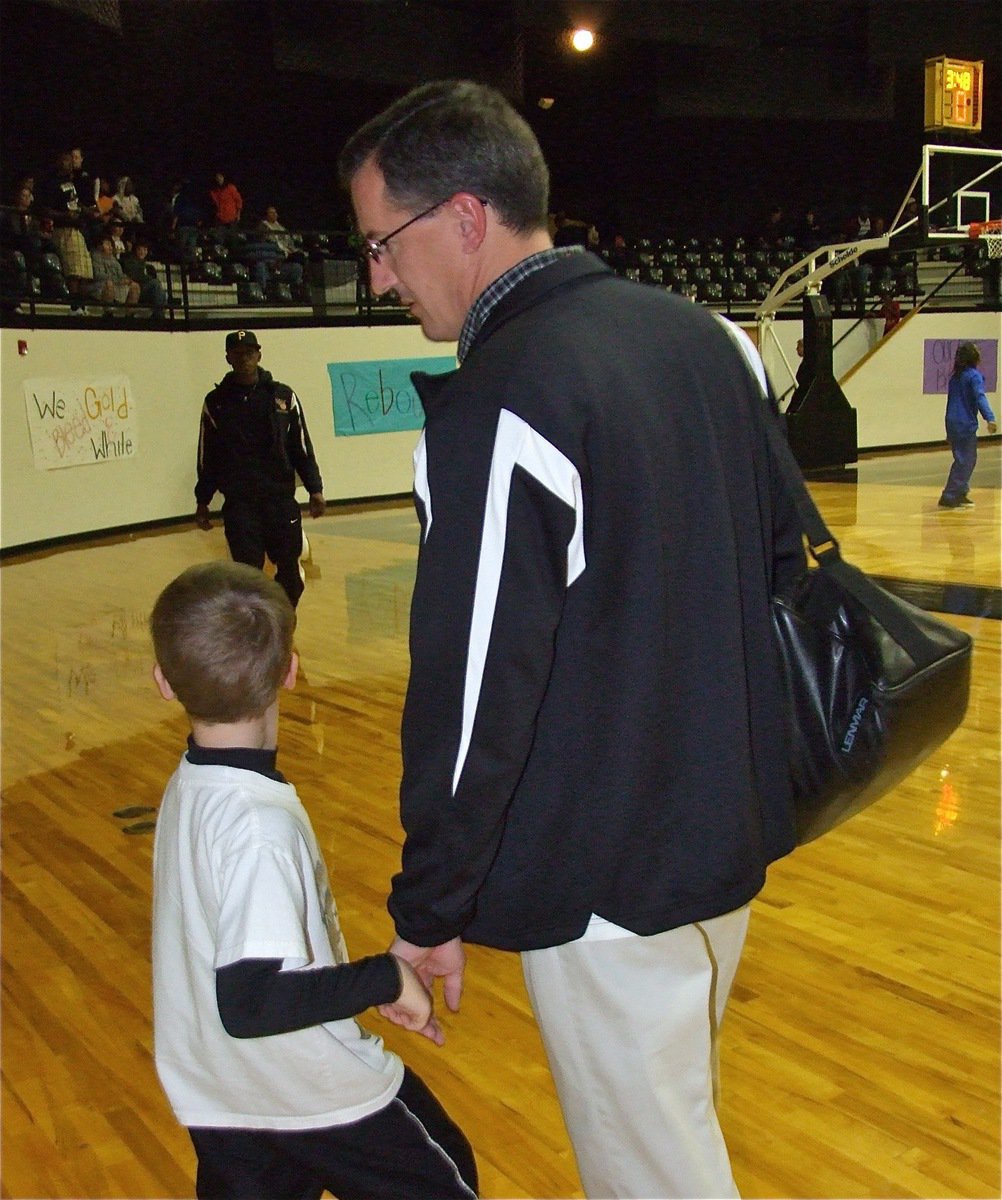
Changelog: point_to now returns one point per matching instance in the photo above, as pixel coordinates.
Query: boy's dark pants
(410, 1150)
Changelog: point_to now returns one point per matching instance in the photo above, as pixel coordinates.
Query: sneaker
(945, 503)
(965, 502)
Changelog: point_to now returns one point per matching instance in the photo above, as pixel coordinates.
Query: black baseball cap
(242, 337)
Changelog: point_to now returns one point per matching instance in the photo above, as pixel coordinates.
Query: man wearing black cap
(252, 443)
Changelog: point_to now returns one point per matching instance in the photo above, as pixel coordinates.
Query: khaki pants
(630, 1029)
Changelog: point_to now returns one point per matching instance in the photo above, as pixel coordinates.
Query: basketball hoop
(991, 234)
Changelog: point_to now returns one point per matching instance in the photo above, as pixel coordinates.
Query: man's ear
(290, 678)
(472, 214)
(164, 687)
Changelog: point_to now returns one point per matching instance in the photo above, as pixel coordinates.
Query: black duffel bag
(874, 684)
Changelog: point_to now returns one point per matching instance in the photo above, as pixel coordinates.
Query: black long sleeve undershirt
(257, 999)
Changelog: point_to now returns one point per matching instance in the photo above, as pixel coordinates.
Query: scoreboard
(953, 90)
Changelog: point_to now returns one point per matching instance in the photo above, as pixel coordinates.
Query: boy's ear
(290, 678)
(164, 687)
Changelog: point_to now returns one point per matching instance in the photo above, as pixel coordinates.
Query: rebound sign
(953, 90)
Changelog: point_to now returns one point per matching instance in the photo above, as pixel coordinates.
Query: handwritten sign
(378, 396)
(74, 422)
(937, 363)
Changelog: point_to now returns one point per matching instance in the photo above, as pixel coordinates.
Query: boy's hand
(413, 1008)
(992, 427)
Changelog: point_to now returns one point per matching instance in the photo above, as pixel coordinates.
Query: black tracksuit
(252, 443)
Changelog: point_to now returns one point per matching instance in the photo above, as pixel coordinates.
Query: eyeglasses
(373, 249)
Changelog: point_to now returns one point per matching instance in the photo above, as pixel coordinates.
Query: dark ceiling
(686, 112)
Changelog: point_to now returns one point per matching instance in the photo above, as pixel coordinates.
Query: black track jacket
(594, 720)
(252, 442)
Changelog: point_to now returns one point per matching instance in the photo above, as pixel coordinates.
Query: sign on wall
(937, 364)
(378, 396)
(74, 422)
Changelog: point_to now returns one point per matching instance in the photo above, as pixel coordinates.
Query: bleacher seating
(734, 274)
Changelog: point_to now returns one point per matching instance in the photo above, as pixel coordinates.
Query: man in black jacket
(252, 443)
(593, 734)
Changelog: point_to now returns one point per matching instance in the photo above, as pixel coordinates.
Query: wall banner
(378, 396)
(76, 422)
(937, 363)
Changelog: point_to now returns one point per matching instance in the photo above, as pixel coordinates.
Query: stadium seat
(280, 291)
(250, 293)
(54, 286)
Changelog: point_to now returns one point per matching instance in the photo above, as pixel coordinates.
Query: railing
(216, 280)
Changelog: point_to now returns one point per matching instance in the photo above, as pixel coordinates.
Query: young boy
(254, 999)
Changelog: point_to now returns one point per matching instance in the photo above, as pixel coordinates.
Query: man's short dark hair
(222, 634)
(455, 136)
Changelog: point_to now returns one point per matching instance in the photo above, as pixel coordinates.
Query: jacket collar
(535, 288)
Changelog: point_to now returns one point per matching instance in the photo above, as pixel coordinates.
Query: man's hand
(447, 961)
(202, 518)
(413, 1008)
(992, 427)
(318, 505)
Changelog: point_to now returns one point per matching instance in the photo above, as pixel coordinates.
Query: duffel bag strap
(826, 552)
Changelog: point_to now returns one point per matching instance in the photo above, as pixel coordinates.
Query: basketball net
(990, 233)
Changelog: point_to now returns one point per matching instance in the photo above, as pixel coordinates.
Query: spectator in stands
(774, 228)
(854, 280)
(859, 224)
(26, 182)
(810, 235)
(19, 229)
(105, 199)
(59, 200)
(188, 209)
(136, 266)
(273, 230)
(87, 188)
(116, 228)
(110, 284)
(912, 212)
(228, 205)
(127, 202)
(269, 254)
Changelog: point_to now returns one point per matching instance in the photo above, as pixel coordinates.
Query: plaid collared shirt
(493, 293)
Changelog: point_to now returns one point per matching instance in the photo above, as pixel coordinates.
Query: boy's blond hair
(222, 634)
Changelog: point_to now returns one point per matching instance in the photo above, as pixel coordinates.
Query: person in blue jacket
(965, 399)
(595, 707)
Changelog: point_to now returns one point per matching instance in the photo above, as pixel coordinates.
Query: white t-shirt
(237, 874)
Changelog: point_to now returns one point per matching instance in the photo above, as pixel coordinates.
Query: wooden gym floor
(860, 1054)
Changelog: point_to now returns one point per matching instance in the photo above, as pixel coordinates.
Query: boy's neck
(255, 733)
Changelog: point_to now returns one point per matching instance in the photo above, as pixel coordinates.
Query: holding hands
(413, 1009)
(420, 966)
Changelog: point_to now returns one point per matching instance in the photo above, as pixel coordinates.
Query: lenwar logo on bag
(857, 716)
